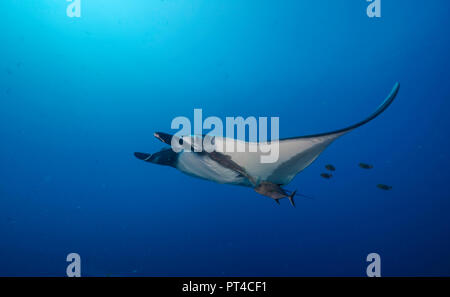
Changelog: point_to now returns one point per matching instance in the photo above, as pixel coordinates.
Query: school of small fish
(330, 167)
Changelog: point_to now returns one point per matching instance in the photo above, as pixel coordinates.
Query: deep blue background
(79, 96)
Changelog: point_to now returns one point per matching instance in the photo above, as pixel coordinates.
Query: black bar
(225, 286)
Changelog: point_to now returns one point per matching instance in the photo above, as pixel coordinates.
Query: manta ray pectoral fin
(297, 153)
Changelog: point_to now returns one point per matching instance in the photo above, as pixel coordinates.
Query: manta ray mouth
(143, 156)
(157, 136)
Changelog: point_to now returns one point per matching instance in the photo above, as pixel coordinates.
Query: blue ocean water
(79, 95)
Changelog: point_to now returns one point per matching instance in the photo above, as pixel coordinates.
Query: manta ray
(245, 168)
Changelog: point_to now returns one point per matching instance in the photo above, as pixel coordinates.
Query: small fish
(330, 167)
(326, 175)
(365, 166)
(384, 187)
